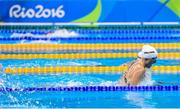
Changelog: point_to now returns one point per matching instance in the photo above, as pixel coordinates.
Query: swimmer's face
(150, 62)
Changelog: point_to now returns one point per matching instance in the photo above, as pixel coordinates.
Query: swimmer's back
(135, 72)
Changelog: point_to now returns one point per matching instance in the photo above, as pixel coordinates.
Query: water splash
(62, 33)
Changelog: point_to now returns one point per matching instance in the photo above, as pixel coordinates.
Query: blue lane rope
(93, 88)
(90, 38)
(95, 31)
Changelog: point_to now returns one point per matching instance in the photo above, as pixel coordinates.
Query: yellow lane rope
(49, 47)
(85, 69)
(164, 55)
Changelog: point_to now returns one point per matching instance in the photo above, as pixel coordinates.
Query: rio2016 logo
(16, 11)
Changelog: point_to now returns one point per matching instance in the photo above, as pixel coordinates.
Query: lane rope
(53, 47)
(85, 69)
(92, 88)
(104, 39)
(165, 55)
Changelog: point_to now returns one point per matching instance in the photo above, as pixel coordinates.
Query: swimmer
(139, 69)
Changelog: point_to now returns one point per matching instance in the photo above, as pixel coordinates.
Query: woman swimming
(138, 72)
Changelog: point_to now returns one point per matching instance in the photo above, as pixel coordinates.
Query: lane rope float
(165, 55)
(85, 69)
(49, 47)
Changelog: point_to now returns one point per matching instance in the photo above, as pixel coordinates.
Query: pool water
(91, 99)
(87, 99)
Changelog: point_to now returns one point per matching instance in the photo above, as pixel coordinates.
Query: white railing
(90, 23)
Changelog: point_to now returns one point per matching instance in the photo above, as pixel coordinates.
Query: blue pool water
(88, 99)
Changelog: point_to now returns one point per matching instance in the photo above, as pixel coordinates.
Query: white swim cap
(148, 52)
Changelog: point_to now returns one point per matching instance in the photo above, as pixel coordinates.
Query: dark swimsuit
(126, 81)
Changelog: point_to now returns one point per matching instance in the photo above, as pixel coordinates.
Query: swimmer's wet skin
(139, 72)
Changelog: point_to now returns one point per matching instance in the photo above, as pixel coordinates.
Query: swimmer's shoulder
(136, 64)
(139, 68)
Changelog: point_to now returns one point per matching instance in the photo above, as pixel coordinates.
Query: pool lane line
(164, 55)
(112, 46)
(92, 88)
(72, 51)
(96, 32)
(42, 25)
(114, 38)
(85, 69)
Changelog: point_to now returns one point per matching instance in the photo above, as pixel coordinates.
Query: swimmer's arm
(138, 73)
